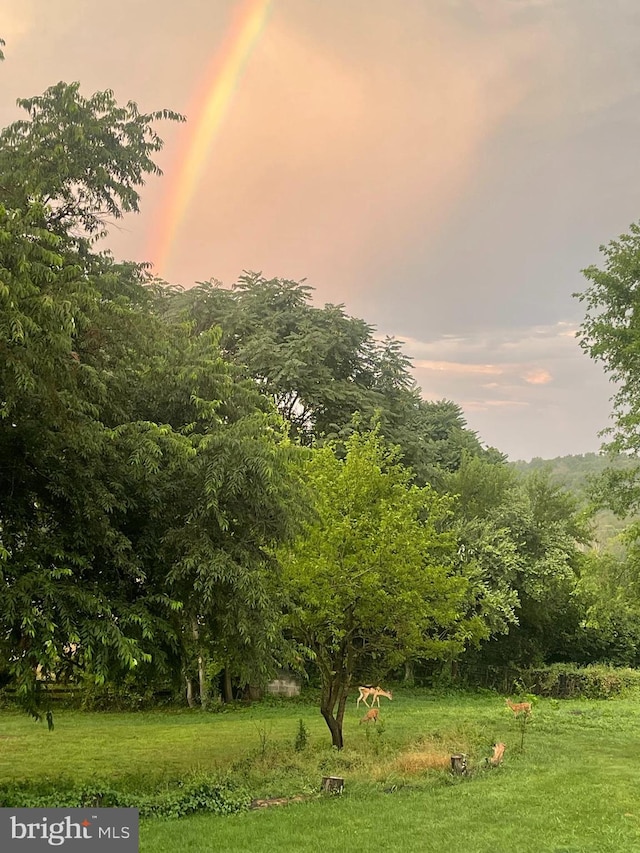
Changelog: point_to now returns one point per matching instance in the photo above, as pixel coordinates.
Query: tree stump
(459, 764)
(332, 784)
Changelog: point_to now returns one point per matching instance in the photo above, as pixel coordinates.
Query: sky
(443, 168)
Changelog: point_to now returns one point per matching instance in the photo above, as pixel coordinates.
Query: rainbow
(210, 107)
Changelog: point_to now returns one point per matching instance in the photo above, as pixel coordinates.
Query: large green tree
(321, 367)
(143, 483)
(610, 334)
(371, 581)
(522, 539)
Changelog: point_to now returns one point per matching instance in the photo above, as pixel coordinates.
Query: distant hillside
(574, 473)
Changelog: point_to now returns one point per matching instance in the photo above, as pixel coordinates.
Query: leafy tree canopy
(522, 540)
(84, 158)
(371, 582)
(609, 332)
(143, 484)
(322, 366)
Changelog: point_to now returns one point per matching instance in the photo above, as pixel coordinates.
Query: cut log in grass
(332, 784)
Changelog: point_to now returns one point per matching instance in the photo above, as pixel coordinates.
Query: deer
(375, 692)
(519, 707)
(372, 714)
(498, 754)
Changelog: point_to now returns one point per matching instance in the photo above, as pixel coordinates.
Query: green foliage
(371, 582)
(375, 561)
(302, 737)
(568, 681)
(196, 793)
(128, 695)
(72, 591)
(84, 158)
(599, 483)
(199, 793)
(576, 472)
(143, 484)
(321, 367)
(521, 542)
(609, 333)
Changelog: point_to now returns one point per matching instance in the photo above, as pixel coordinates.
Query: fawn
(498, 754)
(519, 707)
(370, 715)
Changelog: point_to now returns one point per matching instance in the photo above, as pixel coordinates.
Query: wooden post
(459, 764)
(332, 784)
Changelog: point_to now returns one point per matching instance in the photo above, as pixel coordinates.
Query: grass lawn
(574, 789)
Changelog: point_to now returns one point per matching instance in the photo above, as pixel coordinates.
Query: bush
(200, 793)
(126, 696)
(302, 737)
(196, 793)
(568, 681)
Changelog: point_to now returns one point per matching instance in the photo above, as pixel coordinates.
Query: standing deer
(519, 707)
(375, 692)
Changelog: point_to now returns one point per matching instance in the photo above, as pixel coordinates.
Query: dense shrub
(568, 681)
(196, 793)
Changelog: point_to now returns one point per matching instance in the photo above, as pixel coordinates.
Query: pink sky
(443, 168)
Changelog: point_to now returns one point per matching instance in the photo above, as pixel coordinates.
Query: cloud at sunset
(538, 377)
(453, 368)
(319, 166)
(535, 375)
(432, 165)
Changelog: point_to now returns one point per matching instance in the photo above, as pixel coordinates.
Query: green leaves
(371, 582)
(611, 330)
(374, 581)
(84, 158)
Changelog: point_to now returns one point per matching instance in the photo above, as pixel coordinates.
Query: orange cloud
(459, 369)
(538, 376)
(485, 405)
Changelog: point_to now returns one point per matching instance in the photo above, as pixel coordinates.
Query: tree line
(200, 486)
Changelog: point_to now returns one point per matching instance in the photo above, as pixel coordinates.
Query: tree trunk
(335, 728)
(202, 670)
(202, 680)
(335, 693)
(409, 676)
(191, 702)
(227, 687)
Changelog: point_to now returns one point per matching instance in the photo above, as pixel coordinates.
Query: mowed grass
(161, 744)
(574, 789)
